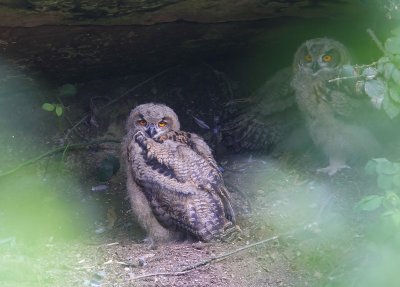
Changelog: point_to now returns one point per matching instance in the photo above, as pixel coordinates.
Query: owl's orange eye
(308, 58)
(142, 122)
(327, 58)
(162, 124)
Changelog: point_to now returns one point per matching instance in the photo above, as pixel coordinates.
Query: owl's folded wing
(184, 170)
(199, 213)
(270, 115)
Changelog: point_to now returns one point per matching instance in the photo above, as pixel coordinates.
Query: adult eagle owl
(174, 184)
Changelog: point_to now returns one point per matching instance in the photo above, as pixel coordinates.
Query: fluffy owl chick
(174, 184)
(331, 109)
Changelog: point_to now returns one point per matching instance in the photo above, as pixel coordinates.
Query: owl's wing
(205, 168)
(181, 186)
(201, 148)
(198, 213)
(270, 115)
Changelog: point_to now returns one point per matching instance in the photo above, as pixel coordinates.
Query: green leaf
(396, 218)
(59, 110)
(370, 73)
(396, 31)
(393, 215)
(48, 107)
(375, 88)
(384, 166)
(394, 93)
(392, 45)
(370, 167)
(382, 65)
(396, 76)
(347, 71)
(370, 202)
(391, 109)
(392, 198)
(396, 180)
(384, 181)
(388, 69)
(67, 90)
(395, 59)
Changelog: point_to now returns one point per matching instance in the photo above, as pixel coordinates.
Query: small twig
(343, 78)
(65, 151)
(66, 117)
(225, 255)
(112, 244)
(376, 40)
(75, 126)
(57, 150)
(357, 67)
(212, 259)
(177, 273)
(137, 86)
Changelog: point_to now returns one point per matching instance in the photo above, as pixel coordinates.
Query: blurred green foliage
(381, 80)
(388, 198)
(35, 208)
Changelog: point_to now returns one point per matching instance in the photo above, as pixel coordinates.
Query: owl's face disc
(320, 54)
(153, 119)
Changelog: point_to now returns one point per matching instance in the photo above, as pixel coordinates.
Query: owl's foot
(140, 139)
(332, 168)
(139, 136)
(231, 233)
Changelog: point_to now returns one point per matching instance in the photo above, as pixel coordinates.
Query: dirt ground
(308, 213)
(62, 226)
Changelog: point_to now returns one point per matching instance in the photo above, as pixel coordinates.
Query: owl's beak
(315, 67)
(151, 130)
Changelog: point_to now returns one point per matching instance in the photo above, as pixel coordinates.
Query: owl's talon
(139, 137)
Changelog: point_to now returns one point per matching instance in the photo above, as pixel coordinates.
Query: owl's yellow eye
(142, 122)
(327, 58)
(308, 58)
(162, 124)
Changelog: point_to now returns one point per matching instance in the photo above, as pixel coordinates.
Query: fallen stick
(218, 258)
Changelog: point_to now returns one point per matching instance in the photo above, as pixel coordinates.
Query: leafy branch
(380, 80)
(388, 181)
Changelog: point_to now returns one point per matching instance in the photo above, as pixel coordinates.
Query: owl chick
(174, 184)
(337, 118)
(332, 110)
